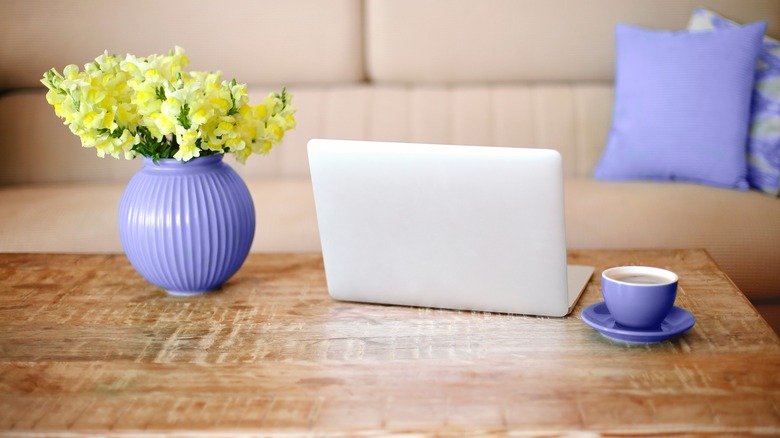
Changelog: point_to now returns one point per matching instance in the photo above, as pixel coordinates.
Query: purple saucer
(677, 321)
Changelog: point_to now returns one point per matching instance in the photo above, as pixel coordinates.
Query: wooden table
(87, 346)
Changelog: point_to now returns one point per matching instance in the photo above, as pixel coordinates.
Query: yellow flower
(153, 107)
(260, 112)
(153, 77)
(92, 120)
(104, 145)
(220, 104)
(164, 125)
(126, 142)
(55, 99)
(201, 114)
(187, 152)
(171, 108)
(125, 115)
(70, 72)
(264, 147)
(224, 128)
(174, 63)
(135, 67)
(187, 139)
(234, 144)
(242, 155)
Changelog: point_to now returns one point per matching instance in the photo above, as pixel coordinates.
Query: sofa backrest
(256, 41)
(534, 73)
(511, 41)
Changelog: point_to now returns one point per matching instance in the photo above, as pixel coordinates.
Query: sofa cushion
(763, 147)
(80, 217)
(739, 229)
(682, 104)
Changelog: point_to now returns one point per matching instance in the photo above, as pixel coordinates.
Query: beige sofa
(534, 73)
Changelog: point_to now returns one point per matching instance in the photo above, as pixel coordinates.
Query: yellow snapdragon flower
(125, 106)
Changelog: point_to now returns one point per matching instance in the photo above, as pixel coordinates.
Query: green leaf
(183, 119)
(233, 110)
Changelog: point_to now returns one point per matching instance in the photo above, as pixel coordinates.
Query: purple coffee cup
(639, 296)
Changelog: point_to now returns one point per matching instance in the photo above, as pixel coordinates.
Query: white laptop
(455, 227)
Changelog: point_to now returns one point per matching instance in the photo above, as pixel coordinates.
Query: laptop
(444, 226)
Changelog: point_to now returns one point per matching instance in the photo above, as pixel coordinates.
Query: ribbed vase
(186, 226)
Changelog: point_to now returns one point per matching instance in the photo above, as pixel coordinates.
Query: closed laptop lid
(460, 227)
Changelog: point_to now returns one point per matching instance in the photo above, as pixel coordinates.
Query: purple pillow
(682, 105)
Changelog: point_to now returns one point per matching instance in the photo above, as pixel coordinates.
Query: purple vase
(186, 226)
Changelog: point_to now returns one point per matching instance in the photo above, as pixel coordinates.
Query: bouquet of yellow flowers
(153, 107)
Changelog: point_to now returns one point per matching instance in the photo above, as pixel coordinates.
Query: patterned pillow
(763, 148)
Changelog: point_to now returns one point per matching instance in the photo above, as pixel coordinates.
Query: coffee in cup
(640, 278)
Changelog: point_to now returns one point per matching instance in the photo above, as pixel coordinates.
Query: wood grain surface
(87, 346)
